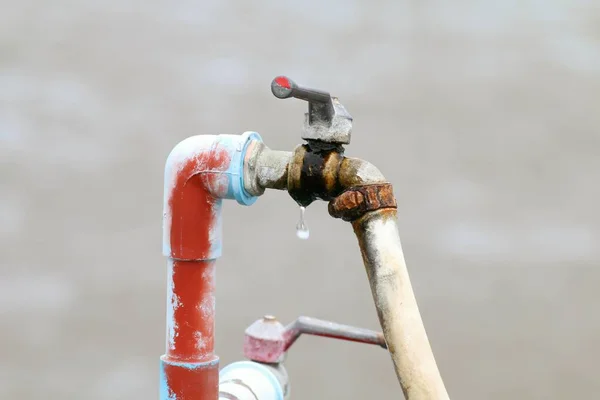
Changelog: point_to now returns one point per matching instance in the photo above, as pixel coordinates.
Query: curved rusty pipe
(326, 174)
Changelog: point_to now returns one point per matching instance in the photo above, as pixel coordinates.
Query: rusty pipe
(325, 173)
(284, 170)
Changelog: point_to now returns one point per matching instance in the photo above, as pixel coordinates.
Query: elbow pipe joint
(200, 172)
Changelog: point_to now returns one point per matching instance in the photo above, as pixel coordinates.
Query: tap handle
(283, 88)
(320, 106)
(317, 327)
(327, 120)
(267, 340)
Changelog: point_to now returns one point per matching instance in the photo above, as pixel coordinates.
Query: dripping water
(301, 228)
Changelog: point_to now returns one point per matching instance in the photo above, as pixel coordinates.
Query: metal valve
(326, 120)
(267, 340)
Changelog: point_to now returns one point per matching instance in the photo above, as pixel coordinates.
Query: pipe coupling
(313, 172)
(355, 202)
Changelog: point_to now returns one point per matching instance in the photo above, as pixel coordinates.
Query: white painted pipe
(247, 380)
(397, 308)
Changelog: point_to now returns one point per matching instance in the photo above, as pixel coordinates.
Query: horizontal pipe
(399, 315)
(273, 169)
(269, 169)
(265, 168)
(200, 172)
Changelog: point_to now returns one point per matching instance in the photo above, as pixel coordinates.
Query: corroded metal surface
(357, 192)
(312, 172)
(355, 202)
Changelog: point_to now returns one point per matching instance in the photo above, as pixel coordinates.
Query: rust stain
(313, 172)
(355, 202)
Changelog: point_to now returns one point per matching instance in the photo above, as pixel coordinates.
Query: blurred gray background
(484, 116)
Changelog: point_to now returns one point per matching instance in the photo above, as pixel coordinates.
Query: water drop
(301, 228)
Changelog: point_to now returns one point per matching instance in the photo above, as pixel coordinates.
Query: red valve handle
(267, 340)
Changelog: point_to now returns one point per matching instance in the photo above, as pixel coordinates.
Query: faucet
(203, 170)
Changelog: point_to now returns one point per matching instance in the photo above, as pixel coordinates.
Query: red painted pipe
(200, 172)
(191, 367)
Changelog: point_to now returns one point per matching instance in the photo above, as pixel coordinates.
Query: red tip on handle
(283, 82)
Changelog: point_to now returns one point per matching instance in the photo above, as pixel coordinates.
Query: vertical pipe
(399, 315)
(192, 301)
(199, 173)
(190, 366)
